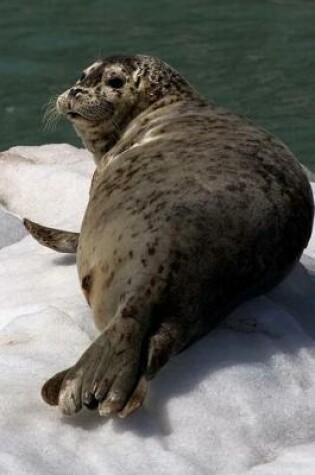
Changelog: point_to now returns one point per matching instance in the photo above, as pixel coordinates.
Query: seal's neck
(98, 139)
(101, 138)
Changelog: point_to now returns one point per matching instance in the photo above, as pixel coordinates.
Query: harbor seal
(192, 210)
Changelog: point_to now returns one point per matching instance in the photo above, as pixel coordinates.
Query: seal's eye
(116, 82)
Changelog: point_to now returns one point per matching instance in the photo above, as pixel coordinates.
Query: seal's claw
(63, 390)
(136, 400)
(119, 392)
(50, 390)
(111, 405)
(69, 400)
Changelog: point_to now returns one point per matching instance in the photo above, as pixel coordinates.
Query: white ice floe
(235, 403)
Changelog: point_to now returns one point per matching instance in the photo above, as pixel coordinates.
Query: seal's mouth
(74, 115)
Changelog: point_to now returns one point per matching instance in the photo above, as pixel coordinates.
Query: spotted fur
(192, 210)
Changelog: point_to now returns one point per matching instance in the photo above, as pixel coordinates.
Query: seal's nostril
(74, 91)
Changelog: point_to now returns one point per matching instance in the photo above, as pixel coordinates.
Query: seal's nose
(74, 91)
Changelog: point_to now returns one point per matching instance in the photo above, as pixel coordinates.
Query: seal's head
(112, 92)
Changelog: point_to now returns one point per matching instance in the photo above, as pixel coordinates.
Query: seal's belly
(102, 261)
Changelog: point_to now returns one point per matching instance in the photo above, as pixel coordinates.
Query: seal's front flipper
(57, 239)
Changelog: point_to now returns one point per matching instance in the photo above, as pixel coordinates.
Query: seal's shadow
(286, 322)
(65, 260)
(86, 420)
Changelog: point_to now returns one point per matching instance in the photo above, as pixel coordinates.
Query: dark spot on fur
(87, 283)
(129, 312)
(231, 187)
(110, 278)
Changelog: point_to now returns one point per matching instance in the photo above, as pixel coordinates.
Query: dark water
(256, 57)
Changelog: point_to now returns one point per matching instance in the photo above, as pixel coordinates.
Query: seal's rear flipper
(57, 239)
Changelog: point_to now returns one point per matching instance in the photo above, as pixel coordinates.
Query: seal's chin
(76, 117)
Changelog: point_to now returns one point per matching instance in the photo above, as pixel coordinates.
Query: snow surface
(235, 403)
